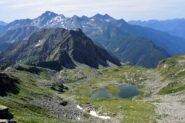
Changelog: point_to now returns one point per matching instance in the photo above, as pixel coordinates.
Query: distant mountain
(138, 51)
(18, 34)
(57, 49)
(105, 31)
(1, 28)
(174, 27)
(41, 21)
(2, 23)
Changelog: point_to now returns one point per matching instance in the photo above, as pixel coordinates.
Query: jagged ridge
(59, 48)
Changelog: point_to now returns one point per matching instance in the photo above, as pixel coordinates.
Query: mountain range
(174, 26)
(117, 36)
(16, 35)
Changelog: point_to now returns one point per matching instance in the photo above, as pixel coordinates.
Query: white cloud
(127, 9)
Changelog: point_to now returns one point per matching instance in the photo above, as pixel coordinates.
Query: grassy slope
(89, 81)
(173, 70)
(83, 82)
(23, 111)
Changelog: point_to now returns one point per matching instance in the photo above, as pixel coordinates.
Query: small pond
(125, 91)
(102, 93)
(128, 91)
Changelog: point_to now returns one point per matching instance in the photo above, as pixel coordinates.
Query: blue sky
(126, 9)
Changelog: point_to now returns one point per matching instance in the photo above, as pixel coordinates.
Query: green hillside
(42, 97)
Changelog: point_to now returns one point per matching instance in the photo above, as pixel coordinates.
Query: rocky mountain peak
(44, 19)
(48, 13)
(102, 17)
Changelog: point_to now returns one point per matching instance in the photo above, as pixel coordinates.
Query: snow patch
(40, 42)
(94, 113)
(58, 19)
(79, 107)
(12, 41)
(49, 14)
(107, 20)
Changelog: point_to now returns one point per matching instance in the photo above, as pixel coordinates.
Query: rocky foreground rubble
(5, 115)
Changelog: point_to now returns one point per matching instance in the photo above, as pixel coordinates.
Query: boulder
(4, 113)
(8, 84)
(7, 121)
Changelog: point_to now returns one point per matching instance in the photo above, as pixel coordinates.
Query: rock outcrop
(5, 115)
(8, 84)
